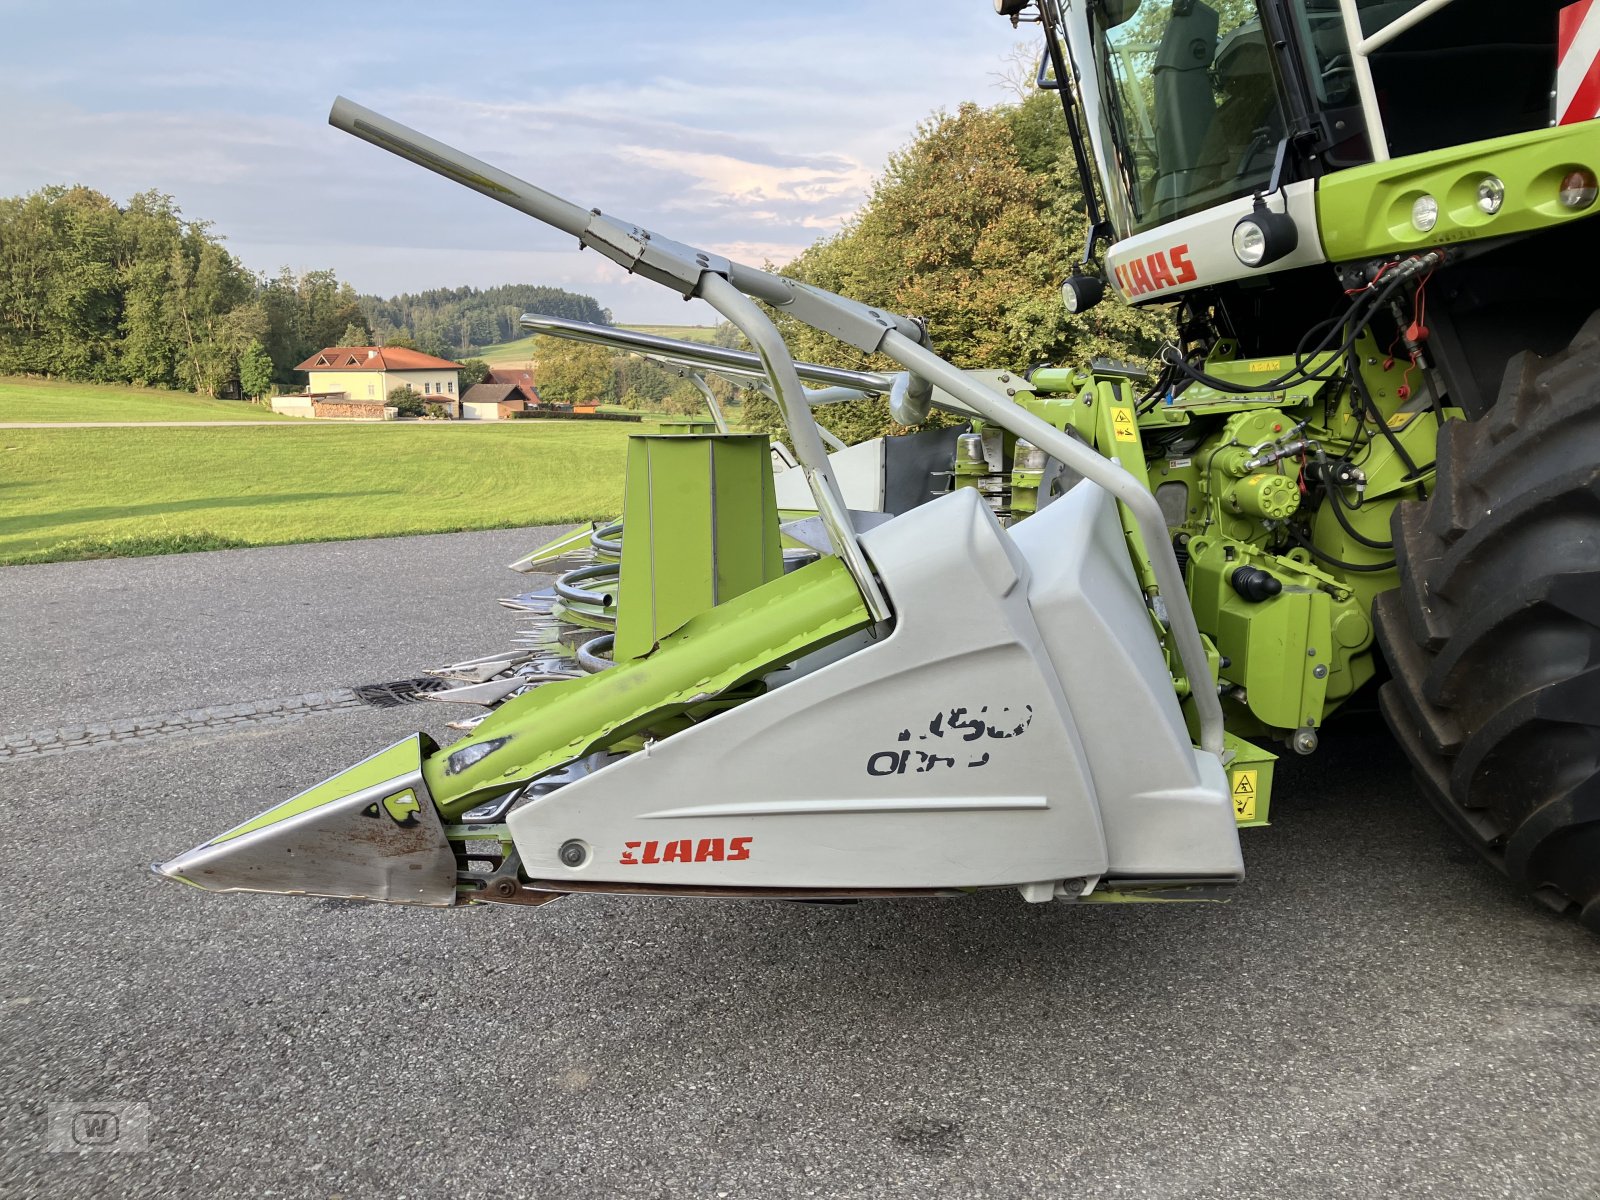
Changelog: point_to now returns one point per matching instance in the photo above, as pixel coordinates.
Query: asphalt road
(1375, 1014)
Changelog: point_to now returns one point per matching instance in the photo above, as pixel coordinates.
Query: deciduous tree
(569, 372)
(255, 371)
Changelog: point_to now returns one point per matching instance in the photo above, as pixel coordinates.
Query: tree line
(452, 322)
(136, 293)
(972, 226)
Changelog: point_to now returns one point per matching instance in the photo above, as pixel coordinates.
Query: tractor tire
(1493, 636)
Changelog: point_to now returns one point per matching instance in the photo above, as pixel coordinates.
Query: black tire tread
(1493, 636)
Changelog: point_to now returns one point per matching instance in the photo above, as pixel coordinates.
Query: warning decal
(1244, 795)
(1122, 425)
(1578, 63)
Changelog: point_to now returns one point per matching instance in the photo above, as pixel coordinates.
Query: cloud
(750, 131)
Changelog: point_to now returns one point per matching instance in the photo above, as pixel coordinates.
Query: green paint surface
(1366, 211)
(400, 759)
(717, 650)
(702, 528)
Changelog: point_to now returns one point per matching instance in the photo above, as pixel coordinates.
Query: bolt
(1305, 741)
(573, 853)
(1320, 672)
(1311, 653)
(505, 887)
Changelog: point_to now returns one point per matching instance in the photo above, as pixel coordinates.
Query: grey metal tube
(564, 588)
(453, 164)
(1108, 474)
(807, 443)
(699, 353)
(828, 439)
(607, 538)
(1372, 117)
(711, 401)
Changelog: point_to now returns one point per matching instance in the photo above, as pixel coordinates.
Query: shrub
(406, 401)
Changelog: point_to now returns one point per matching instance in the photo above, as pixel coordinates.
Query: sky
(749, 129)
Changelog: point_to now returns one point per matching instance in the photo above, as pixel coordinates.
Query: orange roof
(374, 358)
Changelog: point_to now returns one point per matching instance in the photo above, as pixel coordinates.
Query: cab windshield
(1191, 101)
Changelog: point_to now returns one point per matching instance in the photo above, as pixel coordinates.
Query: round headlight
(1491, 194)
(1579, 189)
(1425, 213)
(1080, 293)
(1249, 243)
(1263, 236)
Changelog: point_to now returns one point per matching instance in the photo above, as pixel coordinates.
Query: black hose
(1337, 503)
(589, 654)
(1371, 300)
(1358, 388)
(1364, 568)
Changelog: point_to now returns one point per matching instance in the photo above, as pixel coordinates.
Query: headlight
(1424, 213)
(1579, 189)
(1264, 236)
(1080, 293)
(1491, 194)
(1249, 243)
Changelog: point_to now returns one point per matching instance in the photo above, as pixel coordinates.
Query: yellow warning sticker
(1262, 365)
(1400, 419)
(1244, 795)
(1122, 425)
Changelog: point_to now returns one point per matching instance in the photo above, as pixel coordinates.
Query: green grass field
(48, 400)
(520, 351)
(101, 493)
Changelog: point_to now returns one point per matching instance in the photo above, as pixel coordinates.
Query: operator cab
(1196, 99)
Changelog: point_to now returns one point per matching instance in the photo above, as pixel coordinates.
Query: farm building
(523, 379)
(495, 401)
(367, 374)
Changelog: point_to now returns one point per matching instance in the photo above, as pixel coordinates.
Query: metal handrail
(1361, 48)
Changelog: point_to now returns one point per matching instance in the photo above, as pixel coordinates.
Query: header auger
(1049, 650)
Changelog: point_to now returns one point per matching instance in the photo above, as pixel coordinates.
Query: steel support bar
(1400, 25)
(699, 353)
(790, 394)
(704, 388)
(1376, 137)
(1109, 475)
(1361, 49)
